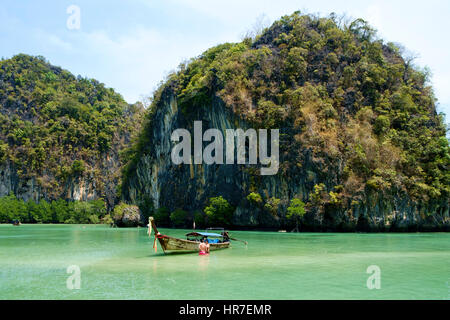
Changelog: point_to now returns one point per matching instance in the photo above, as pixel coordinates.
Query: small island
(361, 145)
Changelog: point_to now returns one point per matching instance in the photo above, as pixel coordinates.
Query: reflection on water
(203, 262)
(121, 264)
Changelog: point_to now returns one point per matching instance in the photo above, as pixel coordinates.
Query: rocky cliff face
(361, 143)
(80, 188)
(60, 135)
(190, 186)
(10, 183)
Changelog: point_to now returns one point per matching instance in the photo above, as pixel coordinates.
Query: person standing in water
(207, 245)
(204, 247)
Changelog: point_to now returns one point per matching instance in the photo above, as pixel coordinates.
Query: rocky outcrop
(190, 186)
(361, 143)
(128, 216)
(131, 217)
(10, 183)
(85, 187)
(57, 141)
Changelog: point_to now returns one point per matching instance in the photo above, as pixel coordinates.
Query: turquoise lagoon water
(121, 264)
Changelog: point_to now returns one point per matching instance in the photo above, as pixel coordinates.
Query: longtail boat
(191, 243)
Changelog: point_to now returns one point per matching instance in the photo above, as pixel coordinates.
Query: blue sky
(131, 45)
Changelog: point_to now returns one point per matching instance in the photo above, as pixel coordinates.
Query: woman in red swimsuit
(204, 247)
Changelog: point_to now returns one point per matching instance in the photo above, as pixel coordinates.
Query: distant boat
(16, 223)
(191, 243)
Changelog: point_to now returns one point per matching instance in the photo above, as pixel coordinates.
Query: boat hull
(171, 244)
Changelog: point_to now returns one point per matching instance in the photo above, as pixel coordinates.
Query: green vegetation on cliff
(56, 127)
(340, 92)
(357, 119)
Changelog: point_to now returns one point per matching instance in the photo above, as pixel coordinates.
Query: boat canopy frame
(204, 234)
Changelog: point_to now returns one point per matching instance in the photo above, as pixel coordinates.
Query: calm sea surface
(121, 264)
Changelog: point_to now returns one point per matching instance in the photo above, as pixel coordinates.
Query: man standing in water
(207, 245)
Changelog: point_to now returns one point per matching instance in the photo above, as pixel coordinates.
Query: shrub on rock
(126, 215)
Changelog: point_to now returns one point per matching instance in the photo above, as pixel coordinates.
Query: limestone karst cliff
(361, 143)
(360, 140)
(60, 135)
